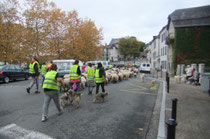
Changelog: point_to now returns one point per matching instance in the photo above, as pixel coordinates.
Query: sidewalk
(193, 112)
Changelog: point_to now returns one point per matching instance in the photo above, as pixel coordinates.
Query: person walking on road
(34, 71)
(100, 75)
(49, 65)
(75, 75)
(90, 78)
(51, 88)
(43, 71)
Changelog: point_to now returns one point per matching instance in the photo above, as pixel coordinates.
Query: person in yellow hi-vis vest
(74, 76)
(43, 71)
(51, 88)
(34, 71)
(90, 78)
(100, 75)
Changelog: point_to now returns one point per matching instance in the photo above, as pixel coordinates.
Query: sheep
(115, 78)
(83, 82)
(142, 77)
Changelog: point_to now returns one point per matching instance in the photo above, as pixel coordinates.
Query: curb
(158, 116)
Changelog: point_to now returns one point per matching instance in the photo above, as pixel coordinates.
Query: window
(165, 50)
(18, 68)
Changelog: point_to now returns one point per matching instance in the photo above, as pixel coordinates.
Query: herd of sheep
(113, 75)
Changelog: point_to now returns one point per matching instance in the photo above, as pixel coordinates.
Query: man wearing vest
(34, 71)
(51, 88)
(90, 78)
(99, 77)
(74, 76)
(44, 71)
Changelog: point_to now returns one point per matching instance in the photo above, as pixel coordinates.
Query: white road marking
(13, 131)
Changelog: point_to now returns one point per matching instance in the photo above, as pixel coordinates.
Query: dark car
(12, 72)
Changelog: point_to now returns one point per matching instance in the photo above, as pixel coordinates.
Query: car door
(10, 70)
(19, 73)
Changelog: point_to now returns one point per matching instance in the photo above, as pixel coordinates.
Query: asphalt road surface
(125, 114)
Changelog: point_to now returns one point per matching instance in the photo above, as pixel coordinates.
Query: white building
(113, 53)
(164, 49)
(158, 51)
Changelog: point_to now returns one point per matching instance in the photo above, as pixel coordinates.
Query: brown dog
(77, 99)
(73, 96)
(64, 100)
(99, 98)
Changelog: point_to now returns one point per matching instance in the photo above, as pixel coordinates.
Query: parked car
(145, 67)
(12, 72)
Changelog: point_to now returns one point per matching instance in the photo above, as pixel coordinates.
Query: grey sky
(119, 18)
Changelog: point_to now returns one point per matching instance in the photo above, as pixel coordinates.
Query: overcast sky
(119, 18)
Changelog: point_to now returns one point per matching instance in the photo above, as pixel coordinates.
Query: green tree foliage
(130, 47)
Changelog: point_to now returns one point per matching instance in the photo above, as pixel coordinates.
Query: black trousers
(102, 87)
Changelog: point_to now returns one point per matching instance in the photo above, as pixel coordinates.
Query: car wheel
(26, 77)
(6, 79)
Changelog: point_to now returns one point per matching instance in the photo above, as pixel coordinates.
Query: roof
(198, 16)
(113, 43)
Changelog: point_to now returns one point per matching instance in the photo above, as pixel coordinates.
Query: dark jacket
(78, 70)
(102, 72)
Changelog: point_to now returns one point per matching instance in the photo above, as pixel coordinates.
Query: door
(19, 72)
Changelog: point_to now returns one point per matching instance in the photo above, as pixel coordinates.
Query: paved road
(126, 113)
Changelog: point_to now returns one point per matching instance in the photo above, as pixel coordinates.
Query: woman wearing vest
(34, 71)
(90, 78)
(99, 78)
(43, 71)
(51, 88)
(74, 76)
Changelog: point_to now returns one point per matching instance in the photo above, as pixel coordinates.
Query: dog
(153, 83)
(64, 100)
(77, 99)
(99, 98)
(73, 96)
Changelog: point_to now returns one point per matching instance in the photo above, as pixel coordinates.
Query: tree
(55, 38)
(9, 28)
(35, 23)
(129, 47)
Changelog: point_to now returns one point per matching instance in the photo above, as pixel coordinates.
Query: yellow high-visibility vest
(50, 82)
(98, 79)
(31, 67)
(73, 72)
(90, 73)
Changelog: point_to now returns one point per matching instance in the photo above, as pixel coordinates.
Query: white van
(104, 63)
(145, 67)
(64, 66)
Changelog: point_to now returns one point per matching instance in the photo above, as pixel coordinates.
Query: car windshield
(1, 67)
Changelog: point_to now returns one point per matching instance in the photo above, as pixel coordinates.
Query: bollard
(174, 108)
(166, 76)
(209, 87)
(171, 128)
(167, 81)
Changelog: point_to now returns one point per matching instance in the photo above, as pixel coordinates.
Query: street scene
(104, 69)
(126, 112)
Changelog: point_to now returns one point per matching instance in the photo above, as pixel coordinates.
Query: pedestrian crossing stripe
(144, 93)
(142, 88)
(13, 131)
